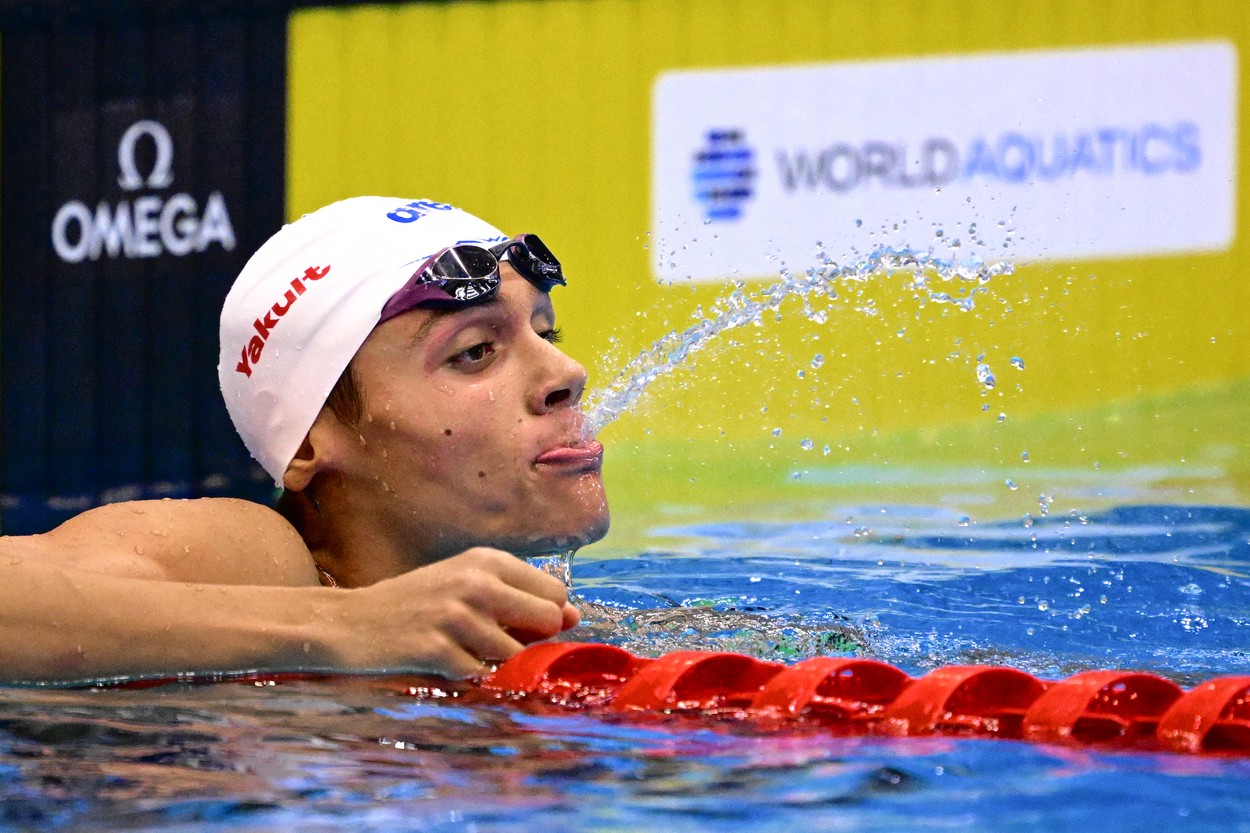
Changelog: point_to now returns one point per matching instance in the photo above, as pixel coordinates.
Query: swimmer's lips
(583, 457)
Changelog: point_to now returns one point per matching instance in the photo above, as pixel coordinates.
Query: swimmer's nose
(562, 384)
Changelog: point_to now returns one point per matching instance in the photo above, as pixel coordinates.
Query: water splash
(559, 565)
(740, 307)
(652, 632)
(777, 638)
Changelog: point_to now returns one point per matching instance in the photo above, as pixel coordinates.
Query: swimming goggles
(469, 273)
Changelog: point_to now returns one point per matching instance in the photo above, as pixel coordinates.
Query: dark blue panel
(119, 133)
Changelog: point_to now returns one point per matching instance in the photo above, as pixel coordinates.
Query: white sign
(1071, 154)
(148, 226)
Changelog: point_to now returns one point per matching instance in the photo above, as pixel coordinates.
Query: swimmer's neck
(348, 546)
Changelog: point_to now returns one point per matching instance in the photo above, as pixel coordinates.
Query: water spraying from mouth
(930, 278)
(926, 277)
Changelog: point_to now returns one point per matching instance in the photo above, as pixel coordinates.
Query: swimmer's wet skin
(393, 365)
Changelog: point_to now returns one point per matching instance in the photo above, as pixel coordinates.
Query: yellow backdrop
(536, 115)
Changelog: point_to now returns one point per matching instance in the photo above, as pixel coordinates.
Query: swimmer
(392, 364)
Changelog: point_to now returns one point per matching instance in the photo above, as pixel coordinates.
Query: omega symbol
(161, 176)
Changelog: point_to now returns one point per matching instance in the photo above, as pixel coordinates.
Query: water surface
(1163, 588)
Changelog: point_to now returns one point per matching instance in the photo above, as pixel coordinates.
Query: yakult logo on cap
(251, 352)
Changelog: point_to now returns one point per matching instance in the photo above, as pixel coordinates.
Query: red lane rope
(1108, 709)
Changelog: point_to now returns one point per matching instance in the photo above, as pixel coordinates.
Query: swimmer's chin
(553, 544)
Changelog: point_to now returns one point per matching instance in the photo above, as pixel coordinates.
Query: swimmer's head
(310, 296)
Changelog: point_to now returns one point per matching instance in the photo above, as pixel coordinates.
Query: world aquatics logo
(723, 174)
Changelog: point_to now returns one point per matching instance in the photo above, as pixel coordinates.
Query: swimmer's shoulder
(202, 540)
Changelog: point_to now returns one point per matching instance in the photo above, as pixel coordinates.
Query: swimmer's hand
(453, 617)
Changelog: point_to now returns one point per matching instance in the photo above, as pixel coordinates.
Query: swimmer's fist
(451, 617)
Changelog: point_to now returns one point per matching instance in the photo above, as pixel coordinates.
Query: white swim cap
(308, 299)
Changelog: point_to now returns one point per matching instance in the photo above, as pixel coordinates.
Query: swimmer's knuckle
(476, 585)
(495, 558)
(439, 647)
(434, 642)
(456, 616)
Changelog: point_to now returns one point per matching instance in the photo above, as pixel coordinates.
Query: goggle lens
(464, 273)
(468, 272)
(530, 256)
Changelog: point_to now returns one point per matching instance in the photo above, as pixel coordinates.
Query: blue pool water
(1160, 588)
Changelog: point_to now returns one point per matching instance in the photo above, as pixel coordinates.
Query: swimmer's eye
(555, 335)
(476, 354)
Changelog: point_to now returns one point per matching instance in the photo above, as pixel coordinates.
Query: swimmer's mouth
(585, 454)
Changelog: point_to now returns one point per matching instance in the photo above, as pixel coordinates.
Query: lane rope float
(854, 696)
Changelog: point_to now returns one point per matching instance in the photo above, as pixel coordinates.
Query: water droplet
(1011, 484)
(964, 520)
(776, 432)
(818, 360)
(826, 450)
(1024, 455)
(1043, 605)
(806, 444)
(1002, 417)
(802, 374)
(985, 376)
(1017, 362)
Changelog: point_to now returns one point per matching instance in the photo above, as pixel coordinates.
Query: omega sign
(149, 225)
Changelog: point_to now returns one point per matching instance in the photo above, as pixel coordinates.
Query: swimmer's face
(472, 431)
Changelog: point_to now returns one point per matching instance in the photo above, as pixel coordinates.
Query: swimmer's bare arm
(129, 609)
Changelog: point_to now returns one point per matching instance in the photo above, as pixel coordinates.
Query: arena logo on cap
(417, 209)
(151, 225)
(1049, 155)
(249, 357)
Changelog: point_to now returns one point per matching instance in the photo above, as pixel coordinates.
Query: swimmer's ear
(315, 452)
(302, 468)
